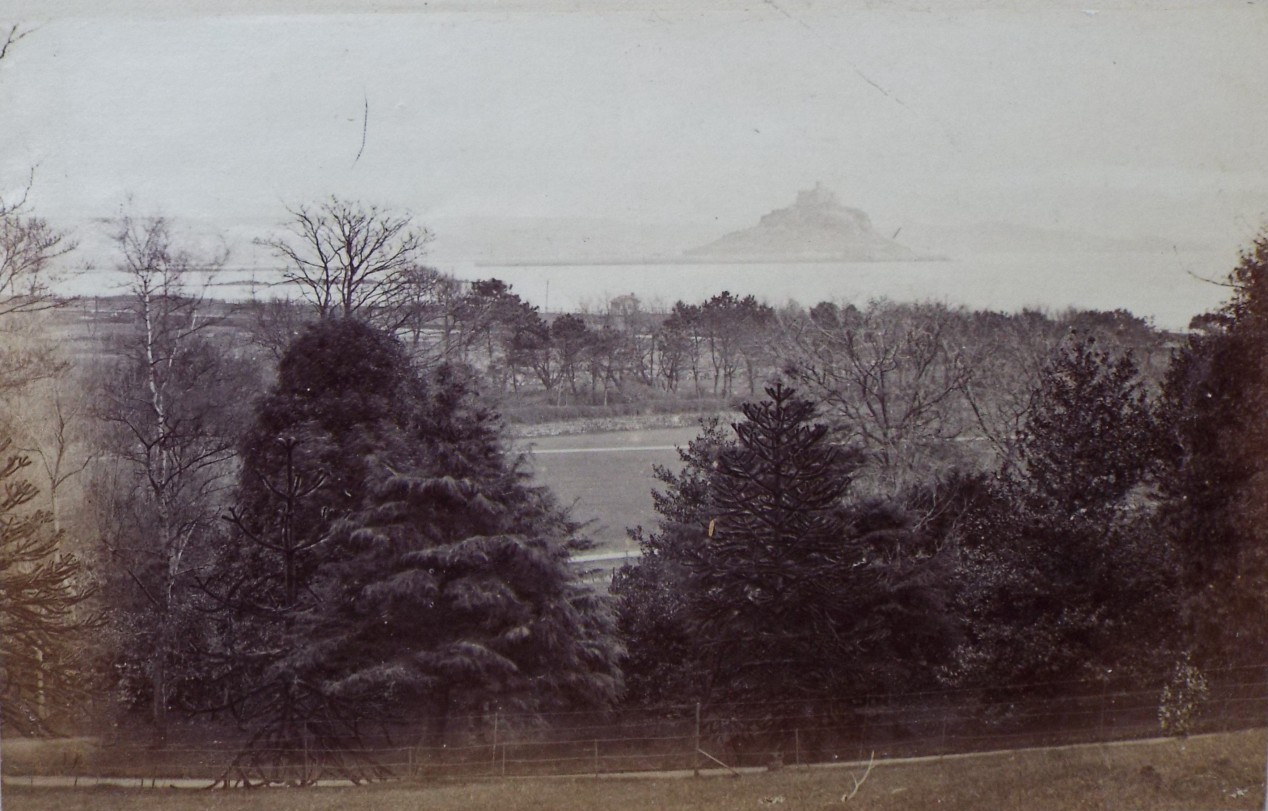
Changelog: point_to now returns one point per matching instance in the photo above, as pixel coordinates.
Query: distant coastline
(691, 260)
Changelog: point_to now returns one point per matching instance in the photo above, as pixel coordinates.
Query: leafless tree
(892, 376)
(350, 259)
(49, 420)
(29, 250)
(28, 245)
(1012, 350)
(167, 411)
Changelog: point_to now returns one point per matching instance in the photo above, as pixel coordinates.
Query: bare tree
(28, 248)
(49, 419)
(892, 376)
(350, 259)
(1012, 351)
(28, 245)
(168, 411)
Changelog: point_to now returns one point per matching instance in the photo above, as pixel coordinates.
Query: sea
(1168, 288)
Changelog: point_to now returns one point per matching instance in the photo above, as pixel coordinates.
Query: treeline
(1116, 537)
(321, 533)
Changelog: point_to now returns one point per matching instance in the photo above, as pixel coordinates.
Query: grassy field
(1209, 772)
(607, 477)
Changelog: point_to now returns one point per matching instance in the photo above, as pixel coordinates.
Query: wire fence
(773, 734)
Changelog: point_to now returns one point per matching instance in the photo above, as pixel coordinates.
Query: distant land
(815, 228)
(993, 238)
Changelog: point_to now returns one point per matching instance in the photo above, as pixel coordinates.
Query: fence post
(864, 741)
(1266, 763)
(797, 747)
(596, 758)
(942, 746)
(496, 719)
(695, 756)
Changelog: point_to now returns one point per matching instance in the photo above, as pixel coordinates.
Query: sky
(1118, 118)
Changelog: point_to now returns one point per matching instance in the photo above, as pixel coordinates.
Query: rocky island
(816, 228)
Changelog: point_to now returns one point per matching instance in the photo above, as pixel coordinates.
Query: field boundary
(187, 783)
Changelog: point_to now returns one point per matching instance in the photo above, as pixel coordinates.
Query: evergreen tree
(1214, 399)
(1089, 436)
(765, 583)
(768, 611)
(41, 611)
(651, 602)
(392, 564)
(1062, 577)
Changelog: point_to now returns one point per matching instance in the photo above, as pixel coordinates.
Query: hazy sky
(1119, 118)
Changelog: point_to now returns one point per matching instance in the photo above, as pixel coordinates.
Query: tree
(636, 327)
(892, 377)
(390, 563)
(569, 337)
(169, 411)
(52, 423)
(765, 583)
(42, 593)
(29, 250)
(1064, 576)
(1009, 350)
(732, 327)
(1089, 437)
(350, 259)
(28, 246)
(681, 340)
(660, 666)
(1214, 398)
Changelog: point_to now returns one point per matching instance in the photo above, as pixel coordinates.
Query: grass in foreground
(1211, 772)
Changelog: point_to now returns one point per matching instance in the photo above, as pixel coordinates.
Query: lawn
(607, 477)
(1209, 772)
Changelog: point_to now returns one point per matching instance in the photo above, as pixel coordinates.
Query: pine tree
(1089, 437)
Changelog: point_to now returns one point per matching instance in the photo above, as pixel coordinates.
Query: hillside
(815, 228)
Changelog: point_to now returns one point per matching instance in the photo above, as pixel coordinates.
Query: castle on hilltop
(818, 197)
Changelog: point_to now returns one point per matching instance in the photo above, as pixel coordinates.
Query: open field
(1224, 771)
(607, 477)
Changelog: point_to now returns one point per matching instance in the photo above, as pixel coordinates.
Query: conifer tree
(392, 564)
(769, 599)
(1214, 400)
(1063, 577)
(41, 610)
(766, 582)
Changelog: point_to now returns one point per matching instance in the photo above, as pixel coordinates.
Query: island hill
(816, 228)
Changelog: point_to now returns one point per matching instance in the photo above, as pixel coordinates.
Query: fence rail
(686, 737)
